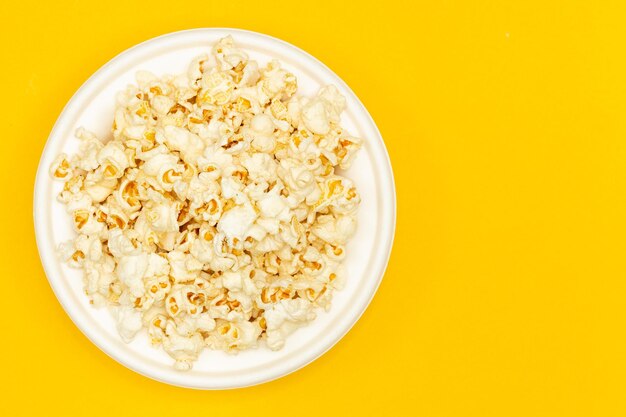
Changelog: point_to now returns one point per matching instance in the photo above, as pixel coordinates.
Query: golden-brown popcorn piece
(113, 160)
(216, 87)
(195, 70)
(184, 349)
(86, 158)
(61, 169)
(276, 83)
(156, 323)
(228, 55)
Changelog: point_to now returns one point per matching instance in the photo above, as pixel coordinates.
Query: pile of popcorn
(214, 216)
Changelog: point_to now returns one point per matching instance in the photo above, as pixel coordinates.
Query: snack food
(213, 217)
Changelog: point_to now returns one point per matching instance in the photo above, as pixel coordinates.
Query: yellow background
(506, 126)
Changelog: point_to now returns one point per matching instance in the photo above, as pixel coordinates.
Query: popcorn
(128, 322)
(214, 216)
(88, 151)
(184, 267)
(61, 168)
(162, 216)
(236, 222)
(235, 335)
(284, 317)
(162, 104)
(228, 56)
(184, 349)
(187, 143)
(113, 160)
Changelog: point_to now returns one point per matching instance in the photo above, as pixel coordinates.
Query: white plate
(367, 254)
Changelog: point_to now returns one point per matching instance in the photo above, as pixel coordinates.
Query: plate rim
(47, 258)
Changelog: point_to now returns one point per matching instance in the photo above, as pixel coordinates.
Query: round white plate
(367, 254)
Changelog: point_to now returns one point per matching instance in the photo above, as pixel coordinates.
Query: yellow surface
(506, 129)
